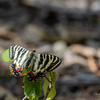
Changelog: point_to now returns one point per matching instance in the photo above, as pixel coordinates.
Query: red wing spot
(31, 74)
(19, 69)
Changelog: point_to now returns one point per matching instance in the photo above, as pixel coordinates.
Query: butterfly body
(40, 63)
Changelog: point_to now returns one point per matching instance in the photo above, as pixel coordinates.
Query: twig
(49, 87)
(47, 78)
(24, 98)
(47, 92)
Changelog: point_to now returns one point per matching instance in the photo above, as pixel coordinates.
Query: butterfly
(40, 63)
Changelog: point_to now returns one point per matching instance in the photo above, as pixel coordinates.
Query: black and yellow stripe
(20, 55)
(42, 62)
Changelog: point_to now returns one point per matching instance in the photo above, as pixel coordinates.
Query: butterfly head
(33, 52)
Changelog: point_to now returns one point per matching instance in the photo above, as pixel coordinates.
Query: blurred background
(69, 29)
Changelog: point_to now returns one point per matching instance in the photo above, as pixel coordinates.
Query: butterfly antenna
(35, 48)
(28, 45)
(40, 46)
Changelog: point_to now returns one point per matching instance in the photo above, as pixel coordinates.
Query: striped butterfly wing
(20, 55)
(16, 51)
(45, 62)
(41, 63)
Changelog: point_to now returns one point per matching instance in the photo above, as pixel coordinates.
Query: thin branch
(49, 87)
(47, 78)
(24, 98)
(50, 77)
(47, 92)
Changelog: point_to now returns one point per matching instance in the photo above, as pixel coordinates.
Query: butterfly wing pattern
(20, 55)
(40, 63)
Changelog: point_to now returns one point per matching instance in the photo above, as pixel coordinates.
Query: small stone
(95, 6)
(77, 4)
(59, 47)
(70, 58)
